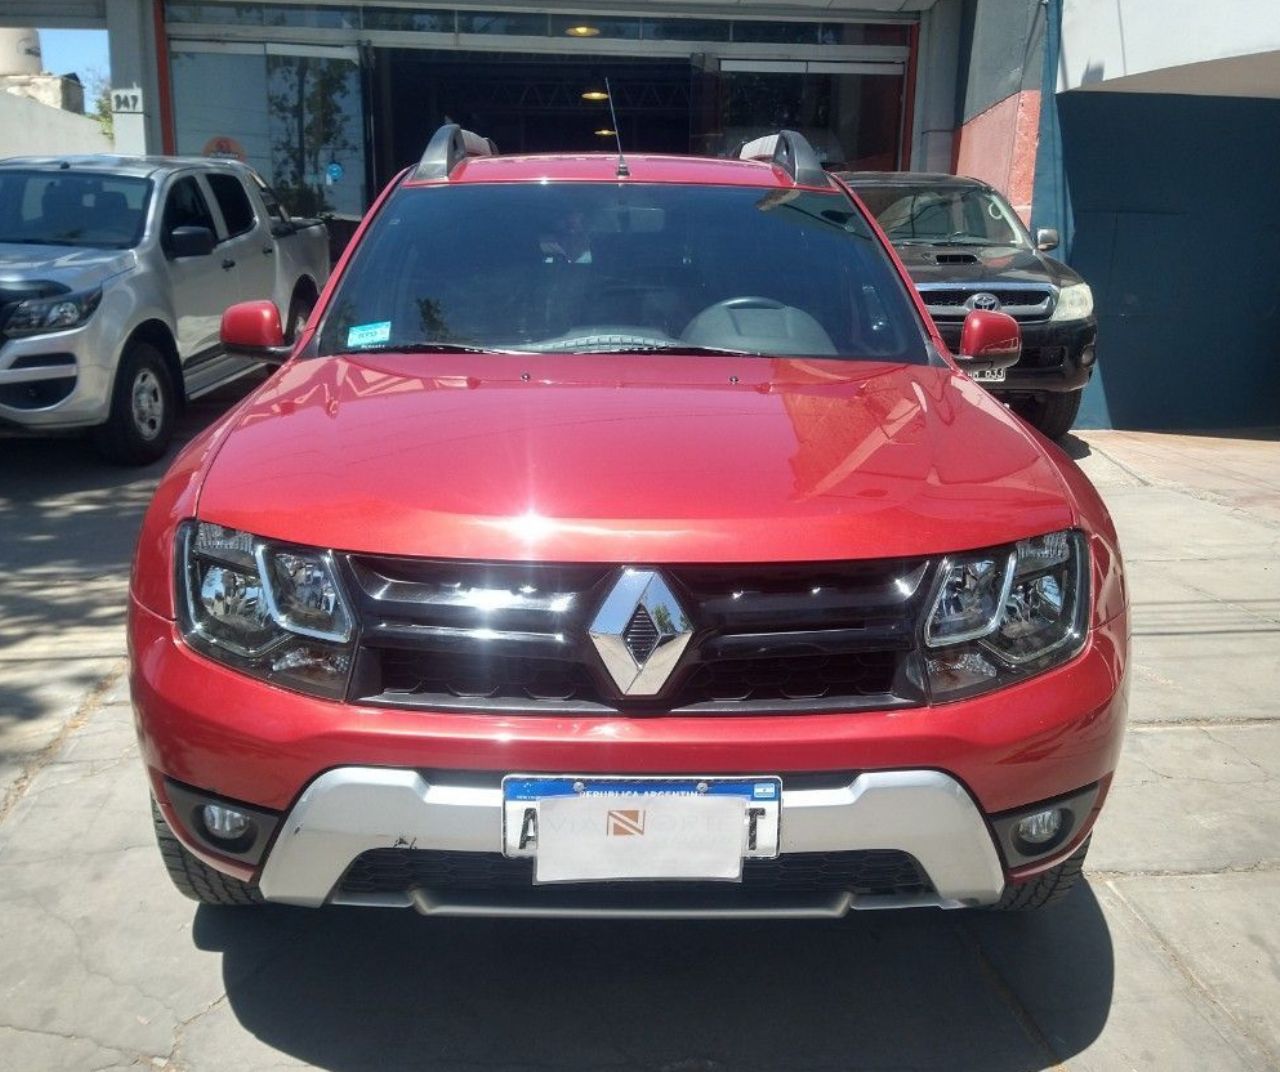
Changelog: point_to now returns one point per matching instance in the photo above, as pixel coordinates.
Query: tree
(308, 126)
(97, 86)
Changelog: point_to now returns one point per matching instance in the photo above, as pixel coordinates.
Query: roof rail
(791, 151)
(449, 146)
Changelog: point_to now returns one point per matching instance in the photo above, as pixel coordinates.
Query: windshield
(72, 208)
(616, 267)
(943, 215)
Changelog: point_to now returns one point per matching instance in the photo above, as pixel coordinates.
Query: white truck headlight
(1074, 303)
(270, 610)
(1001, 615)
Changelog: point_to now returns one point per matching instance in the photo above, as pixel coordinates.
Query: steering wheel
(748, 302)
(784, 328)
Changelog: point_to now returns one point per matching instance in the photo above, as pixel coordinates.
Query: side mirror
(253, 330)
(1046, 239)
(989, 343)
(189, 242)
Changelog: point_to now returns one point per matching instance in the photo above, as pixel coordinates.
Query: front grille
(797, 677)
(872, 872)
(480, 677)
(470, 681)
(948, 302)
(1042, 357)
(514, 637)
(36, 394)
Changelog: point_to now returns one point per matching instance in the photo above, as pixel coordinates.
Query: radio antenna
(623, 171)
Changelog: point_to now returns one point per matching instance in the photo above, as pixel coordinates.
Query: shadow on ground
(1075, 447)
(358, 989)
(68, 523)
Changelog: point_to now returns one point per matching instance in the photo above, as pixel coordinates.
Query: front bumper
(348, 780)
(353, 810)
(1055, 356)
(58, 381)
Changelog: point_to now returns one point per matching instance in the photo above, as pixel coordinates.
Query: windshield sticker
(369, 334)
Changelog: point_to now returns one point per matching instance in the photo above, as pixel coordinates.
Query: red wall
(998, 146)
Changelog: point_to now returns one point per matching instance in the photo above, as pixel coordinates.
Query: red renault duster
(620, 538)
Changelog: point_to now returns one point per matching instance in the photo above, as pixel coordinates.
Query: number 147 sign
(126, 101)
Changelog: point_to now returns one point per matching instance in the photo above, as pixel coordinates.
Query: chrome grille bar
(513, 637)
(1022, 301)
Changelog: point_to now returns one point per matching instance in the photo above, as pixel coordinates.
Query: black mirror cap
(189, 242)
(1047, 239)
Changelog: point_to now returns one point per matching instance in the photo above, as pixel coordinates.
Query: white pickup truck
(114, 274)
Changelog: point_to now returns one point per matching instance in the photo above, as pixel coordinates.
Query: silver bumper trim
(351, 810)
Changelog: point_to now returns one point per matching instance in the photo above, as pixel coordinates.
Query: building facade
(42, 113)
(1139, 128)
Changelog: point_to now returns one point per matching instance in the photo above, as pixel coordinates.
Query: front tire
(1052, 413)
(1047, 888)
(300, 310)
(192, 876)
(143, 409)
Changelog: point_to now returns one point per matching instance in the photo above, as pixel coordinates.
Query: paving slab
(1222, 929)
(68, 523)
(1164, 524)
(1239, 468)
(1193, 799)
(1102, 470)
(97, 945)
(1225, 672)
(1104, 995)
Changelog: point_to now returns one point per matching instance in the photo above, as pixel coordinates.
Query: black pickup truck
(966, 249)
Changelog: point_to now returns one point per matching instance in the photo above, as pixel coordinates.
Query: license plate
(995, 375)
(590, 829)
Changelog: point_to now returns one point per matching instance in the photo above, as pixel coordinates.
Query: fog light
(1041, 827)
(1087, 358)
(225, 824)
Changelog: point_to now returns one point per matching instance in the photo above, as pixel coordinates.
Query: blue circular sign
(335, 171)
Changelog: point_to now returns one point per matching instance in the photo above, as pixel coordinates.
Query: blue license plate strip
(524, 788)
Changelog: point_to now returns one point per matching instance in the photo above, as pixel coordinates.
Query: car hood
(76, 269)
(613, 458)
(982, 264)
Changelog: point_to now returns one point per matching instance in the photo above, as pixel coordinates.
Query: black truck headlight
(998, 616)
(274, 611)
(39, 316)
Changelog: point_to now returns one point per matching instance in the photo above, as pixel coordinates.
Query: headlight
(37, 316)
(271, 610)
(1074, 303)
(1001, 615)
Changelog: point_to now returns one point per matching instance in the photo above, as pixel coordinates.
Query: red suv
(620, 538)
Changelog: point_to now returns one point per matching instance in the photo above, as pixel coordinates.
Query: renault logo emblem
(640, 632)
(983, 300)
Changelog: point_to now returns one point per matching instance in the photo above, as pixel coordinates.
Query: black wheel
(143, 409)
(193, 877)
(299, 313)
(1052, 413)
(1047, 888)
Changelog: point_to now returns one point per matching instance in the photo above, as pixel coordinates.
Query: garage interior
(527, 103)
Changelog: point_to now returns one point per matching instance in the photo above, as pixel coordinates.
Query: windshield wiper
(426, 348)
(668, 348)
(467, 348)
(960, 238)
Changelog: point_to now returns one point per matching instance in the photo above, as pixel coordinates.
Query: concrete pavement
(1166, 959)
